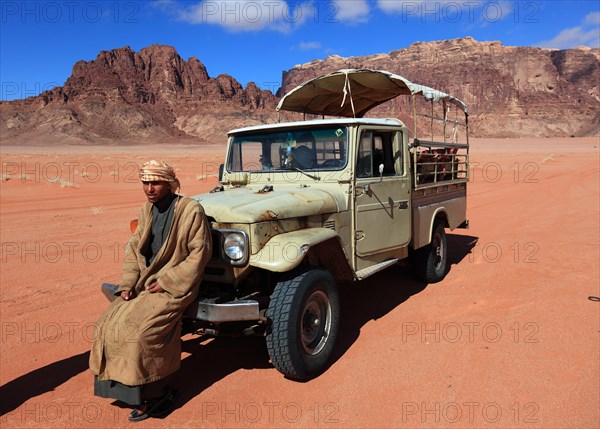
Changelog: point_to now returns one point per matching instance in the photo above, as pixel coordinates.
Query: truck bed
(440, 175)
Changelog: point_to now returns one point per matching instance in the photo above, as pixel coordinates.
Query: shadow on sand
(211, 361)
(361, 302)
(41, 380)
(376, 296)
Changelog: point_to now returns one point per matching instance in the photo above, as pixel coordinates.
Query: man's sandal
(137, 415)
(165, 405)
(154, 407)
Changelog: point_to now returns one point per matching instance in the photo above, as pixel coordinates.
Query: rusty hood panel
(247, 205)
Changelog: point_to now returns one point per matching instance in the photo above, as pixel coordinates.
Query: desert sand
(510, 338)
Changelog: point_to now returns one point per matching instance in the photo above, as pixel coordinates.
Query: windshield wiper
(307, 174)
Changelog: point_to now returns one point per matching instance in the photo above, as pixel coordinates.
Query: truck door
(382, 204)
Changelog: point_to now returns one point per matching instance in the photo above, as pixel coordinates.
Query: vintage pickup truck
(303, 207)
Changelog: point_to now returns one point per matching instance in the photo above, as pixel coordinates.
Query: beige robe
(139, 341)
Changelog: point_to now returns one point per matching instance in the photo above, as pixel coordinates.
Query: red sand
(508, 339)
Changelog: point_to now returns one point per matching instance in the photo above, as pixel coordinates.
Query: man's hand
(154, 288)
(127, 295)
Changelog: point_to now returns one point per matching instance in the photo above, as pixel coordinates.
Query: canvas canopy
(353, 92)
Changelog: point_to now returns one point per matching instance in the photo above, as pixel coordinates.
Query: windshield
(306, 149)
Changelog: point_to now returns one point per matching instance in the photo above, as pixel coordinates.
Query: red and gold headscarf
(159, 171)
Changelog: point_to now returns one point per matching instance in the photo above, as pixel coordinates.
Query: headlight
(234, 246)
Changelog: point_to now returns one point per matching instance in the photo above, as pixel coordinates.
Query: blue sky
(255, 40)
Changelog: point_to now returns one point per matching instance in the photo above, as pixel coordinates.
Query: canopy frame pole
(414, 152)
(432, 120)
(414, 115)
(468, 145)
(445, 117)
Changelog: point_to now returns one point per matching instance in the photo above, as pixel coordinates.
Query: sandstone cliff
(510, 91)
(155, 95)
(124, 95)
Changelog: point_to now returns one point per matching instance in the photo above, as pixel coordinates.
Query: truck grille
(216, 244)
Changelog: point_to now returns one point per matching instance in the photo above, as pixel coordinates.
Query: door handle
(403, 205)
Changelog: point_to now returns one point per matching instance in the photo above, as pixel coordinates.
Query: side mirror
(367, 187)
(221, 167)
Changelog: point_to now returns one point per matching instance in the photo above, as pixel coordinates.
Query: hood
(247, 205)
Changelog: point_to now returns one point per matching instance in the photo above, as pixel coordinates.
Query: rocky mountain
(510, 91)
(148, 95)
(154, 95)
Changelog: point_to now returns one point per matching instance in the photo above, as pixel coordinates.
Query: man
(137, 343)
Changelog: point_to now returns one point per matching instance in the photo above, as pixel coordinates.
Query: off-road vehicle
(303, 207)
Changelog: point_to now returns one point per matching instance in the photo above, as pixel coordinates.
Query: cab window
(376, 148)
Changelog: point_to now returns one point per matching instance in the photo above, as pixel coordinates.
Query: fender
(424, 218)
(284, 252)
(438, 211)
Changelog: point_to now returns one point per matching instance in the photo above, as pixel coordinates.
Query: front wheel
(432, 260)
(304, 317)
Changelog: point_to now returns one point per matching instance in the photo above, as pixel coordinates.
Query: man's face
(156, 191)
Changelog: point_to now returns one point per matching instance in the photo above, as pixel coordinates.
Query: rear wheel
(304, 318)
(431, 261)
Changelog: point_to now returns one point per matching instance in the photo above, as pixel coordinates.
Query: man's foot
(159, 407)
(165, 405)
(140, 413)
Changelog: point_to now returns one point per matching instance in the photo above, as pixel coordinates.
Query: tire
(431, 261)
(304, 321)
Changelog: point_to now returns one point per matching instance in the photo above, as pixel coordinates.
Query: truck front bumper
(208, 309)
(234, 311)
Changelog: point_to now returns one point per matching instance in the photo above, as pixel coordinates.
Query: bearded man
(137, 340)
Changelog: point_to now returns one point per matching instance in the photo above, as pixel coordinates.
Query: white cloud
(255, 15)
(592, 19)
(411, 6)
(308, 46)
(585, 34)
(505, 7)
(243, 15)
(352, 11)
(451, 10)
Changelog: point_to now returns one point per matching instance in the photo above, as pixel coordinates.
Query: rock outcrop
(149, 95)
(154, 95)
(510, 91)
